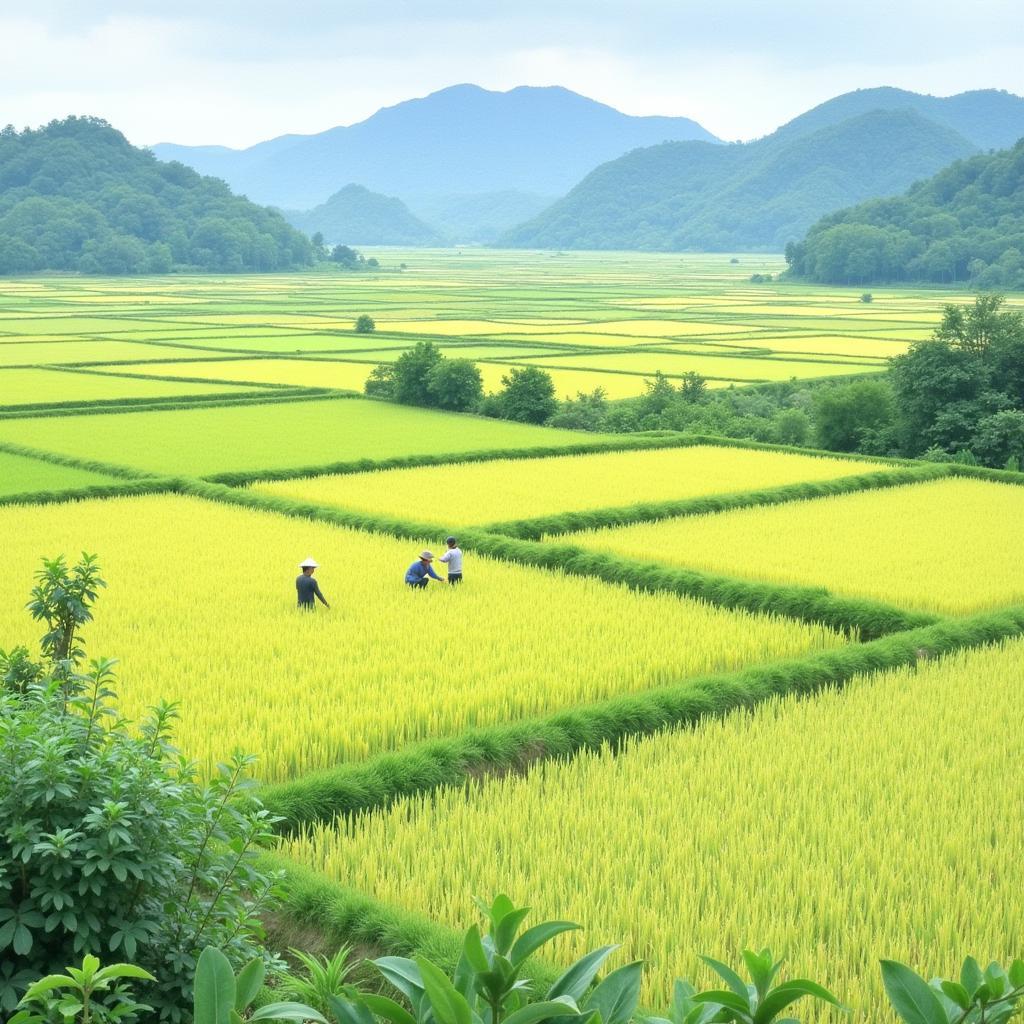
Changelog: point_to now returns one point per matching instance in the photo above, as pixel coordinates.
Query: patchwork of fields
(752, 691)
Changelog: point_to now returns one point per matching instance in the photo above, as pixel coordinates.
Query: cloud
(235, 72)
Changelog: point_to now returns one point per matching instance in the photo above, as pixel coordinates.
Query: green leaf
(389, 1010)
(957, 993)
(789, 992)
(248, 983)
(533, 938)
(447, 1003)
(214, 988)
(348, 1011)
(113, 971)
(504, 934)
(971, 976)
(545, 1010)
(403, 974)
(47, 984)
(473, 950)
(736, 984)
(724, 998)
(1017, 974)
(911, 996)
(288, 1011)
(617, 995)
(576, 980)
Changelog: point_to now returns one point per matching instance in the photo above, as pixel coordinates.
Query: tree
(658, 395)
(527, 395)
(692, 387)
(365, 325)
(381, 382)
(792, 426)
(412, 374)
(455, 384)
(999, 439)
(843, 414)
(584, 412)
(977, 329)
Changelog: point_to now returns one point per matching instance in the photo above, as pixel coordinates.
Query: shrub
(109, 840)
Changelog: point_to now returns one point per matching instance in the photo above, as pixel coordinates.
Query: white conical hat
(309, 564)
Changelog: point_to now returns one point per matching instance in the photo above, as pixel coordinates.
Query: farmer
(417, 574)
(308, 588)
(453, 556)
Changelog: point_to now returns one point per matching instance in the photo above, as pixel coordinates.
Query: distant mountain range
(356, 216)
(763, 194)
(463, 140)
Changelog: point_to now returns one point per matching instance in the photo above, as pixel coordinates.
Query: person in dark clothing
(308, 588)
(421, 571)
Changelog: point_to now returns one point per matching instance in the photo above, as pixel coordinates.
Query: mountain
(762, 194)
(478, 218)
(989, 118)
(965, 223)
(463, 139)
(357, 216)
(757, 195)
(75, 195)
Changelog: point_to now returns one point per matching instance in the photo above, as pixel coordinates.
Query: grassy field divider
(425, 766)
(624, 515)
(215, 401)
(858, 616)
(130, 488)
(642, 441)
(91, 465)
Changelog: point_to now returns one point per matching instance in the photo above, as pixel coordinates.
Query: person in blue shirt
(421, 571)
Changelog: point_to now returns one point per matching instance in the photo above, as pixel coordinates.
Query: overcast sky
(238, 71)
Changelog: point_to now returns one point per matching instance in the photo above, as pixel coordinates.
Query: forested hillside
(356, 216)
(965, 223)
(759, 195)
(75, 195)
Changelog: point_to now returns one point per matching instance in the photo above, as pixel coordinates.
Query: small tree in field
(365, 325)
(528, 395)
(455, 384)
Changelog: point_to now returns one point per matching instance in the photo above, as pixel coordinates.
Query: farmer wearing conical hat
(421, 571)
(308, 588)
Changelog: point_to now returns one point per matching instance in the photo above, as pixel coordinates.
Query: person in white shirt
(453, 558)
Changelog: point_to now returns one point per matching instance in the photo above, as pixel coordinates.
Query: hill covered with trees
(758, 195)
(76, 196)
(356, 216)
(763, 194)
(965, 223)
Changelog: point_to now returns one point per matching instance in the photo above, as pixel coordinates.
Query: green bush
(109, 840)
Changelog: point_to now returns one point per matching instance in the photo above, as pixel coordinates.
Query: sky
(235, 72)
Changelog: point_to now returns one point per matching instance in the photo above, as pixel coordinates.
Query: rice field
(828, 828)
(540, 302)
(824, 828)
(201, 441)
(201, 609)
(41, 386)
(950, 546)
(487, 492)
(22, 475)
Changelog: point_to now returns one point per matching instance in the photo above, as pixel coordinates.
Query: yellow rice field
(201, 609)
(953, 546)
(484, 492)
(873, 822)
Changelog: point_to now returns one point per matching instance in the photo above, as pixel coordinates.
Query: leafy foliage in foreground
(109, 840)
